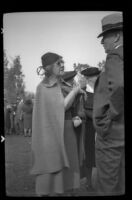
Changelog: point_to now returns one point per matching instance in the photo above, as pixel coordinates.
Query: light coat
(48, 148)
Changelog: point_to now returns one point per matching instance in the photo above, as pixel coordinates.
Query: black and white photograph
(63, 104)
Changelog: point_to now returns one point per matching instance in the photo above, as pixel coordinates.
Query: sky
(72, 35)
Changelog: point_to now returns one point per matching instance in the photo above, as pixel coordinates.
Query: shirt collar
(118, 46)
(89, 88)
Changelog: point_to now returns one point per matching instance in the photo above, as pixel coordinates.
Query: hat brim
(68, 75)
(91, 71)
(109, 30)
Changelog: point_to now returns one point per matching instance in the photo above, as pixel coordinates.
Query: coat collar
(118, 46)
(118, 51)
(64, 82)
(46, 82)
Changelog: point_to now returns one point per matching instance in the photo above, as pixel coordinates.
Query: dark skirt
(72, 174)
(27, 120)
(71, 145)
(89, 143)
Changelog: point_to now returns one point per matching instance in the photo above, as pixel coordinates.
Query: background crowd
(18, 117)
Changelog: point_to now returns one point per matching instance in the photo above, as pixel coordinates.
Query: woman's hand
(77, 90)
(77, 121)
(83, 82)
(71, 96)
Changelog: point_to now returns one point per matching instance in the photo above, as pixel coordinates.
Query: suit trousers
(110, 163)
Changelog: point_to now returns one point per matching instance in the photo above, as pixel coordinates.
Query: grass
(19, 182)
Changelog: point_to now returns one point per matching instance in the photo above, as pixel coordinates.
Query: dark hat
(49, 58)
(111, 22)
(68, 75)
(90, 71)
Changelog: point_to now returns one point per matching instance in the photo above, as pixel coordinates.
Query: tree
(19, 77)
(101, 65)
(13, 79)
(80, 67)
(6, 62)
(74, 66)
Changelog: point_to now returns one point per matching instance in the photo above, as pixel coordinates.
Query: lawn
(19, 182)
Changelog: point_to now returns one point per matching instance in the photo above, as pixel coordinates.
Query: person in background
(72, 143)
(90, 75)
(19, 118)
(27, 109)
(5, 107)
(51, 162)
(77, 112)
(108, 111)
(79, 120)
(8, 120)
(12, 118)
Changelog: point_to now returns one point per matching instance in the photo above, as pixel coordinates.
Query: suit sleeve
(109, 95)
(88, 106)
(115, 85)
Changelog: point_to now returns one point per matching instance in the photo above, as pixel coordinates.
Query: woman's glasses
(60, 63)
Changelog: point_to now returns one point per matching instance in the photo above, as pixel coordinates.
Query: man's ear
(117, 37)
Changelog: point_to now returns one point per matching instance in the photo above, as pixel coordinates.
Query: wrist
(76, 90)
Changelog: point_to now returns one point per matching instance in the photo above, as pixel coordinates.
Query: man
(90, 74)
(108, 111)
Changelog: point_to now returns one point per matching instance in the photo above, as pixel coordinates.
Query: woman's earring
(39, 70)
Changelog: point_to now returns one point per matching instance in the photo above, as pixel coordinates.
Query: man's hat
(111, 22)
(90, 71)
(68, 75)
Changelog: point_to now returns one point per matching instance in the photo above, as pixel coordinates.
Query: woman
(89, 137)
(51, 162)
(27, 117)
(73, 143)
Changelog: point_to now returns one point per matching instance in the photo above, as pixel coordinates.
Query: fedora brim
(109, 30)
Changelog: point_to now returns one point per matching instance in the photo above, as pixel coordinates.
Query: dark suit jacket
(108, 109)
(89, 136)
(88, 106)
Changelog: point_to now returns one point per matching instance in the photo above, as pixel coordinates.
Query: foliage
(6, 62)
(13, 79)
(80, 67)
(101, 65)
